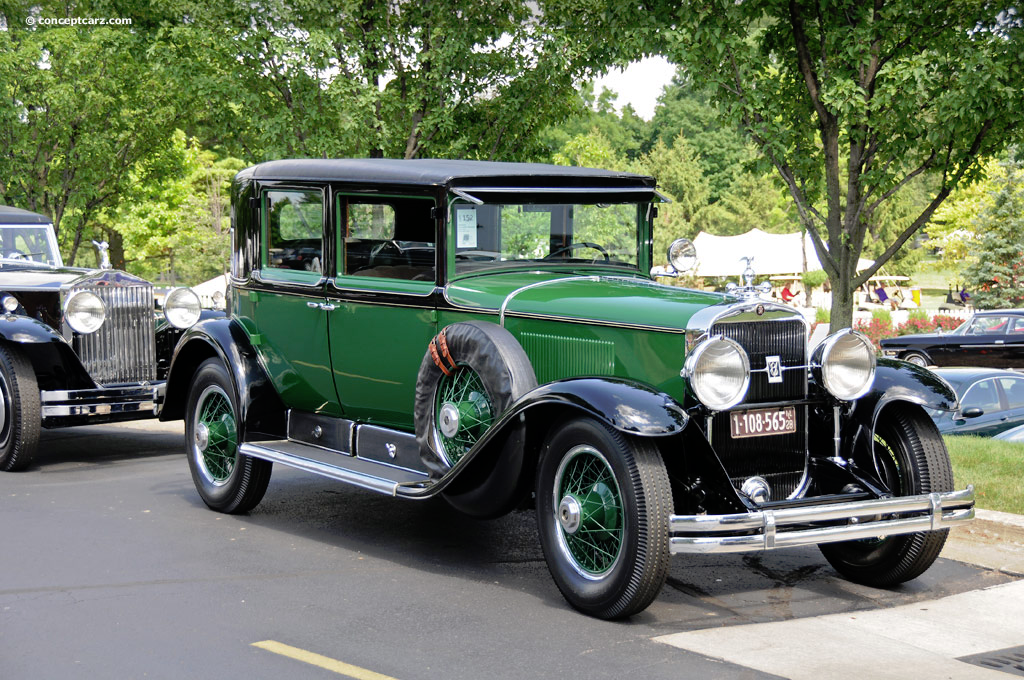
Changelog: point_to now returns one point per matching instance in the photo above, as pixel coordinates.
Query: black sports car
(991, 339)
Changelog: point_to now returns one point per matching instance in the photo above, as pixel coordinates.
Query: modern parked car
(991, 401)
(488, 333)
(77, 346)
(992, 339)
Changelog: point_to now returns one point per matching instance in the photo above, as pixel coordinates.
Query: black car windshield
(501, 234)
(28, 244)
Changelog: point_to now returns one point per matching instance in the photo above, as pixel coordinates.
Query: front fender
(897, 381)
(54, 360)
(260, 407)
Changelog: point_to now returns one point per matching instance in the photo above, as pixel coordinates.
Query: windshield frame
(51, 242)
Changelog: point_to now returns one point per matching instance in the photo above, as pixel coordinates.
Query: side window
(382, 237)
(983, 395)
(1014, 390)
(988, 325)
(1017, 325)
(293, 224)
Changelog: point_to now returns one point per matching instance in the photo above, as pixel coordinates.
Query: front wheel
(915, 358)
(910, 458)
(603, 502)
(226, 480)
(19, 410)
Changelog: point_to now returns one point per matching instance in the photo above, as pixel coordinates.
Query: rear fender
(260, 407)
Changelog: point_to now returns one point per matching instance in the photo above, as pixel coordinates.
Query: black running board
(361, 472)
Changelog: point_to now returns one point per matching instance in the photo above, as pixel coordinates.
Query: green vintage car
(488, 333)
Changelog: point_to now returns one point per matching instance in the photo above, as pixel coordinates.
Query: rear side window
(293, 222)
(1013, 388)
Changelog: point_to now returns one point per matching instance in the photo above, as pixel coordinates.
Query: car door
(982, 343)
(1013, 397)
(383, 288)
(284, 308)
(1013, 348)
(983, 395)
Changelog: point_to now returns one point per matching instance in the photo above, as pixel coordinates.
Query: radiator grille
(779, 459)
(123, 349)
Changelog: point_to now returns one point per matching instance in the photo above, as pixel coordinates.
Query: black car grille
(123, 349)
(779, 459)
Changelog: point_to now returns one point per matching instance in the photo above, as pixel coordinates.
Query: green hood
(600, 298)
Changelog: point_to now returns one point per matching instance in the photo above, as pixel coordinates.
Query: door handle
(326, 306)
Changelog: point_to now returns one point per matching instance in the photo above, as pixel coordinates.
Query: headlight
(845, 363)
(682, 255)
(719, 373)
(84, 312)
(182, 308)
(10, 303)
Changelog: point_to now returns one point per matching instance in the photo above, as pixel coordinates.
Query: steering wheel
(574, 246)
(391, 245)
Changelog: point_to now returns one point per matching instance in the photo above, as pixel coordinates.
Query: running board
(361, 472)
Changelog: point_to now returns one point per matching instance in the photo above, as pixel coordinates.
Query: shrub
(877, 328)
(945, 322)
(822, 315)
(883, 315)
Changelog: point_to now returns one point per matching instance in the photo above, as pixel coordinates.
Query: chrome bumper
(102, 404)
(788, 527)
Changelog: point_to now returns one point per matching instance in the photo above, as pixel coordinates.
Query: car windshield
(495, 234)
(28, 244)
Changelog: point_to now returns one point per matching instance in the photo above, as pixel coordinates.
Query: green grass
(995, 468)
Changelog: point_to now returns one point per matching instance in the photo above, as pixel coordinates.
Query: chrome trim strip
(538, 284)
(703, 533)
(102, 401)
(463, 195)
(552, 190)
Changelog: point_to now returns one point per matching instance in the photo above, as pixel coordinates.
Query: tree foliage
(852, 102)
(996, 275)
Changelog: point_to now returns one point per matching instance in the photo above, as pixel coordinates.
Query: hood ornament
(748, 291)
(103, 249)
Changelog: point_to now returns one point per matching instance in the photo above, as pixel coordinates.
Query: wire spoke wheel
(589, 508)
(216, 435)
(462, 412)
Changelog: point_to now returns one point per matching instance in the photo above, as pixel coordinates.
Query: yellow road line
(326, 662)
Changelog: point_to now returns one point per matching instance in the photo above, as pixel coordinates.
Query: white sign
(465, 228)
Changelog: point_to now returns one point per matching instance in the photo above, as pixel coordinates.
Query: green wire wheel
(463, 413)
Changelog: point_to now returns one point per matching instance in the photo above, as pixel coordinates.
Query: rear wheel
(910, 458)
(19, 410)
(226, 480)
(603, 502)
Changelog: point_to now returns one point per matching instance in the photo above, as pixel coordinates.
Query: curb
(994, 540)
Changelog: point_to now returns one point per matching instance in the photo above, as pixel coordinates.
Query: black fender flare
(260, 408)
(53, 358)
(630, 407)
(895, 381)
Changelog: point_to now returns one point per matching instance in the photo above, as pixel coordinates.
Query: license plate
(761, 422)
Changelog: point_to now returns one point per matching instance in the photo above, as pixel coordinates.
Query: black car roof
(998, 312)
(11, 215)
(442, 172)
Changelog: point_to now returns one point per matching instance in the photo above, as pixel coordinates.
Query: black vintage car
(989, 339)
(77, 346)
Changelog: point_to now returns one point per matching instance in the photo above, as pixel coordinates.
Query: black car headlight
(182, 308)
(84, 312)
(844, 363)
(718, 371)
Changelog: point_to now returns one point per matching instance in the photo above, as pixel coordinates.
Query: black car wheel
(603, 502)
(19, 410)
(915, 358)
(226, 480)
(910, 458)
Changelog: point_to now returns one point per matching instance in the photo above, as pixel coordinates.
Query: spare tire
(471, 373)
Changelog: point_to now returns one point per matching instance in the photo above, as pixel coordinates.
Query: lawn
(995, 468)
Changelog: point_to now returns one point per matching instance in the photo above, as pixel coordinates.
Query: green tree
(996, 277)
(851, 101)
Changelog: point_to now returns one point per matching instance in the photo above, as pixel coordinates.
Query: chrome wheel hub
(449, 419)
(569, 514)
(202, 436)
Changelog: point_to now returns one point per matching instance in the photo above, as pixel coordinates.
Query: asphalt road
(112, 567)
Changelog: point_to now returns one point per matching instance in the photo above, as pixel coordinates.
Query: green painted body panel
(376, 352)
(298, 361)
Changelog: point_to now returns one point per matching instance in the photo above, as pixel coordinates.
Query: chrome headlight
(10, 303)
(84, 312)
(682, 255)
(718, 371)
(845, 364)
(182, 308)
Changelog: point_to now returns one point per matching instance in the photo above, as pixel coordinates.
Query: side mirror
(972, 412)
(682, 255)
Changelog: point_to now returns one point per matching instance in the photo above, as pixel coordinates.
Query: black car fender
(895, 382)
(495, 476)
(54, 360)
(260, 407)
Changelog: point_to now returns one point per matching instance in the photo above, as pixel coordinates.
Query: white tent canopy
(771, 253)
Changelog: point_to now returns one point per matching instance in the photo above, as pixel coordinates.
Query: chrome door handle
(313, 305)
(326, 306)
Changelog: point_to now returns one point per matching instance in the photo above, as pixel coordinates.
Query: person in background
(964, 295)
(787, 294)
(883, 297)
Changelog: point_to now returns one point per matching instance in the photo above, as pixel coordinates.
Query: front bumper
(61, 408)
(811, 525)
